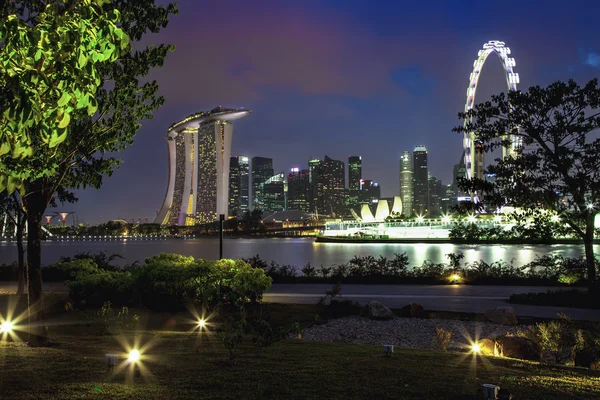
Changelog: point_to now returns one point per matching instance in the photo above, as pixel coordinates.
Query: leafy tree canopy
(50, 60)
(556, 165)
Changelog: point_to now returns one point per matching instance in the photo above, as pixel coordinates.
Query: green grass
(185, 365)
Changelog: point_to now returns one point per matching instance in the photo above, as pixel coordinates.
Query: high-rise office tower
(244, 184)
(331, 185)
(273, 193)
(406, 184)
(314, 166)
(238, 185)
(234, 186)
(435, 196)
(459, 171)
(262, 170)
(298, 193)
(199, 155)
(354, 172)
(421, 183)
(370, 191)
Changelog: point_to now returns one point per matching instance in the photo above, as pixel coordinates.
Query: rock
(412, 310)
(516, 347)
(486, 347)
(595, 365)
(501, 316)
(563, 356)
(376, 310)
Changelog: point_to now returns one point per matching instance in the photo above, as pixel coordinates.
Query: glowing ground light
(446, 219)
(420, 219)
(6, 327)
(497, 219)
(475, 348)
(134, 356)
(471, 219)
(555, 218)
(590, 206)
(201, 323)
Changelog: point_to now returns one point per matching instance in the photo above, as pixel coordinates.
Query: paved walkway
(458, 298)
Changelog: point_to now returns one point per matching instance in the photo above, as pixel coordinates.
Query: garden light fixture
(134, 356)
(6, 327)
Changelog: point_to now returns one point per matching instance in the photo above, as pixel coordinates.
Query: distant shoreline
(338, 239)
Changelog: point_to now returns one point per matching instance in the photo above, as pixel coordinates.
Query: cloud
(237, 55)
(592, 59)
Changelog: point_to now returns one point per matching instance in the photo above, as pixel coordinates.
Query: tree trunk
(21, 257)
(35, 205)
(589, 250)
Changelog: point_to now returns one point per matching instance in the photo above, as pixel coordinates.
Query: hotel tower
(199, 154)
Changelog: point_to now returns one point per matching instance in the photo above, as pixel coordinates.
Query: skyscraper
(330, 187)
(234, 186)
(459, 171)
(244, 184)
(262, 170)
(354, 172)
(199, 155)
(238, 185)
(406, 183)
(298, 190)
(435, 196)
(314, 165)
(272, 193)
(421, 184)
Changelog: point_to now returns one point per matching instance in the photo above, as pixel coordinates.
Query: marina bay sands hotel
(199, 153)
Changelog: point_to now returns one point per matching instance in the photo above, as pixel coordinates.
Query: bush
(166, 282)
(559, 298)
(559, 340)
(441, 340)
(92, 289)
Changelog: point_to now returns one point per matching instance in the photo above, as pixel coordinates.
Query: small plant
(559, 340)
(441, 340)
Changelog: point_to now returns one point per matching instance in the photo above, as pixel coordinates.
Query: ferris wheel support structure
(474, 156)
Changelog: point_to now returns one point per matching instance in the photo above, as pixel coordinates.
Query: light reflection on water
(297, 251)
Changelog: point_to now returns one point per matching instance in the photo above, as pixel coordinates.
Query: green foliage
(105, 321)
(556, 165)
(49, 71)
(559, 298)
(167, 282)
(559, 339)
(442, 339)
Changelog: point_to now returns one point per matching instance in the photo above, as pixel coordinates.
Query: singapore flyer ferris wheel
(473, 156)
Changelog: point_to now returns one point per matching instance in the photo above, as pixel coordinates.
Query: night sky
(368, 78)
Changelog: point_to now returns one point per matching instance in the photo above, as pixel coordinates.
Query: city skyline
(373, 63)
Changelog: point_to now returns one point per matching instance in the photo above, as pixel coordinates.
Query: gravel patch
(403, 332)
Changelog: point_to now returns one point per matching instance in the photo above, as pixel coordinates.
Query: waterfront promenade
(455, 298)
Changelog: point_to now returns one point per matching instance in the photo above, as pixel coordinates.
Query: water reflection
(297, 251)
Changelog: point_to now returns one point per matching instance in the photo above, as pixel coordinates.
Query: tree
(123, 99)
(10, 205)
(557, 164)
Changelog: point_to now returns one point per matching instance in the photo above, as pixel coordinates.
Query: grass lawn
(179, 364)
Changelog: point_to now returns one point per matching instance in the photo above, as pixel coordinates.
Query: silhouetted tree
(557, 165)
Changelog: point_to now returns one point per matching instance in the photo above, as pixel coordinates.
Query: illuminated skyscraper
(298, 190)
(262, 170)
(421, 181)
(330, 187)
(354, 172)
(199, 156)
(314, 165)
(243, 162)
(273, 193)
(406, 183)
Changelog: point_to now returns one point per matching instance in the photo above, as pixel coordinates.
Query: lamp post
(221, 219)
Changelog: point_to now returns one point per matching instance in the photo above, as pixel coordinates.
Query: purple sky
(341, 78)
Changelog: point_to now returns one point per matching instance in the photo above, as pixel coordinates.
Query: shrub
(441, 340)
(559, 340)
(94, 288)
(167, 282)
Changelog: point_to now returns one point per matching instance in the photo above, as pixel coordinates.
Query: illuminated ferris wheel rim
(512, 80)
